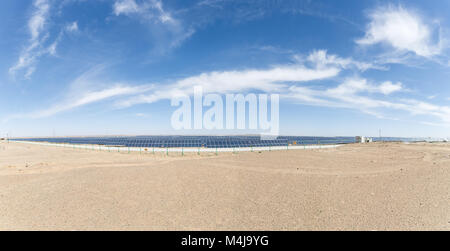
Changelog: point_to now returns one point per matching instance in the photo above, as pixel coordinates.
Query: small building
(362, 139)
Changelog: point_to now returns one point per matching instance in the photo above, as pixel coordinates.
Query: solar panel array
(195, 141)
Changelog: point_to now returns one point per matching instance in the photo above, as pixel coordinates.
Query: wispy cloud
(82, 99)
(154, 13)
(37, 45)
(404, 30)
(86, 89)
(36, 28)
(270, 80)
(358, 85)
(72, 27)
(318, 65)
(149, 9)
(87, 98)
(90, 87)
(39, 18)
(254, 9)
(125, 7)
(354, 93)
(321, 58)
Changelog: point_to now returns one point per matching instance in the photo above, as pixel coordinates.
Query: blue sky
(79, 67)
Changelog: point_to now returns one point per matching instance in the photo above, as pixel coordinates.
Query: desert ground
(377, 186)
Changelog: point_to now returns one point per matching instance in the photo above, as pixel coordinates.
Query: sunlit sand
(378, 186)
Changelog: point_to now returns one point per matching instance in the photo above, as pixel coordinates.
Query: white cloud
(80, 100)
(402, 29)
(90, 88)
(321, 58)
(164, 16)
(38, 45)
(354, 94)
(150, 9)
(388, 87)
(29, 72)
(52, 48)
(87, 98)
(125, 7)
(152, 12)
(72, 27)
(277, 79)
(69, 28)
(419, 107)
(36, 26)
(270, 80)
(357, 85)
(38, 19)
(86, 89)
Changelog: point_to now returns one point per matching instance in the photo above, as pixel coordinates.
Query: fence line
(179, 150)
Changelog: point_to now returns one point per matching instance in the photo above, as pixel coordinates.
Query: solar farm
(194, 141)
(198, 143)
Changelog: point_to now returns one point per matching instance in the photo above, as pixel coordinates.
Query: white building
(362, 139)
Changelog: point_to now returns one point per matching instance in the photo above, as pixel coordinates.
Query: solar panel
(195, 141)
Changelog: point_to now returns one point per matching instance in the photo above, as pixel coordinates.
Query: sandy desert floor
(379, 186)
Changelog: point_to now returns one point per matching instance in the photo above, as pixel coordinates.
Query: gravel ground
(379, 186)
